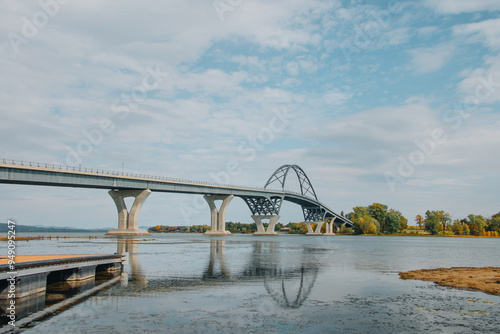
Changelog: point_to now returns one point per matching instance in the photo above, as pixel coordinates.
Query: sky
(377, 101)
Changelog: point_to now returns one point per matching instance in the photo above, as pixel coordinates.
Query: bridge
(264, 203)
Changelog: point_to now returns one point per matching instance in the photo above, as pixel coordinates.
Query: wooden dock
(25, 287)
(32, 273)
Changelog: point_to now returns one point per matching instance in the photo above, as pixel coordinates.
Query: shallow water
(189, 283)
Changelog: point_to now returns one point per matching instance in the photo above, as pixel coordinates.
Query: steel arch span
(306, 188)
(312, 208)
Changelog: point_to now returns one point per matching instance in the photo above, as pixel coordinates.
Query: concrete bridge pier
(218, 217)
(330, 228)
(217, 255)
(273, 219)
(317, 231)
(128, 222)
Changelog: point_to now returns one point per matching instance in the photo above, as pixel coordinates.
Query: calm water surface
(189, 283)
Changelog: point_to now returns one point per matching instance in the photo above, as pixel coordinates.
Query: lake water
(190, 283)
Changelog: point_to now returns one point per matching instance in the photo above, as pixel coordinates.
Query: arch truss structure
(314, 212)
(263, 205)
(280, 175)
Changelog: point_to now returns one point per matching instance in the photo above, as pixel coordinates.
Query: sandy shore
(485, 279)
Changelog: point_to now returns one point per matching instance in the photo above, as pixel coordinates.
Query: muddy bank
(485, 279)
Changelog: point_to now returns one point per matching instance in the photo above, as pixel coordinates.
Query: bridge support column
(217, 255)
(128, 222)
(329, 228)
(273, 219)
(218, 217)
(318, 228)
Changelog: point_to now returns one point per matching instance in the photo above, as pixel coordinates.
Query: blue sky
(378, 101)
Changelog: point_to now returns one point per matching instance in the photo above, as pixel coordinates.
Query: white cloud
(395, 37)
(487, 32)
(462, 6)
(426, 31)
(431, 59)
(292, 68)
(337, 98)
(482, 85)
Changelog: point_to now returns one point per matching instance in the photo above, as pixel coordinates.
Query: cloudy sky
(378, 101)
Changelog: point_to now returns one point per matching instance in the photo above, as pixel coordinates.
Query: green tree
(366, 224)
(345, 230)
(441, 218)
(379, 212)
(392, 222)
(403, 223)
(432, 222)
(460, 228)
(477, 224)
(444, 219)
(297, 228)
(358, 211)
(494, 223)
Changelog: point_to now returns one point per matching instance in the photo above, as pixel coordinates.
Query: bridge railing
(125, 174)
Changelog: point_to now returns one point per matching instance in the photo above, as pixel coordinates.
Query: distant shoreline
(49, 229)
(20, 229)
(57, 237)
(360, 235)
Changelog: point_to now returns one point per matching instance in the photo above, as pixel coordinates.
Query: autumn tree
(365, 224)
(420, 221)
(476, 223)
(297, 228)
(444, 219)
(357, 211)
(460, 228)
(494, 223)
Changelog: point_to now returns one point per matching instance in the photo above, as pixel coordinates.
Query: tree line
(375, 219)
(378, 218)
(440, 222)
(230, 226)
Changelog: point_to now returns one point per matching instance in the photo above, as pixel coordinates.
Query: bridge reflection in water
(287, 279)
